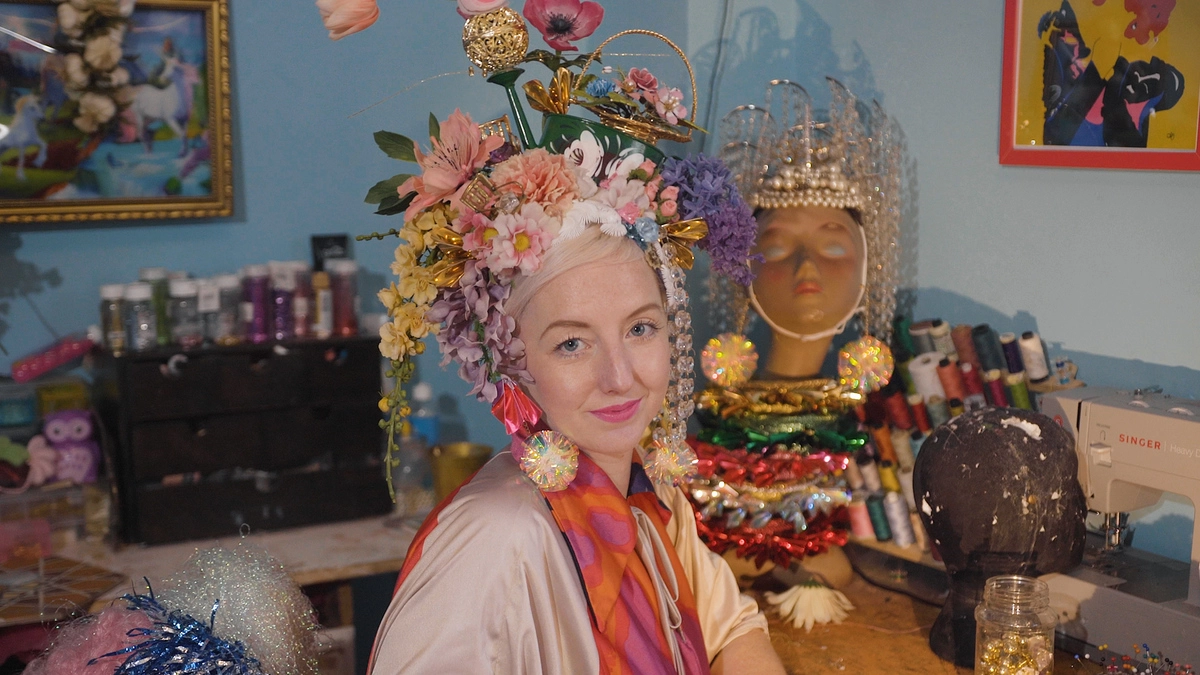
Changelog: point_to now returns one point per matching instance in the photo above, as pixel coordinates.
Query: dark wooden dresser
(205, 442)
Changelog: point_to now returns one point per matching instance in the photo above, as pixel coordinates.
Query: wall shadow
(19, 279)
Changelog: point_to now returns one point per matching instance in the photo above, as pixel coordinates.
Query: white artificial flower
(586, 153)
(119, 77)
(627, 161)
(81, 5)
(102, 53)
(811, 603)
(77, 74)
(125, 7)
(585, 184)
(70, 20)
(585, 213)
(94, 110)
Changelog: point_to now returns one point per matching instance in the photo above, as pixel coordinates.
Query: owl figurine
(69, 432)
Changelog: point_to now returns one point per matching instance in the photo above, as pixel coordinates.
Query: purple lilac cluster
(706, 190)
(477, 332)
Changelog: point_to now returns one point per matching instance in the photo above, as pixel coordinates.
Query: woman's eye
(643, 330)
(569, 346)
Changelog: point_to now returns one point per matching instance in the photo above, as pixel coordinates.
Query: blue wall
(1101, 263)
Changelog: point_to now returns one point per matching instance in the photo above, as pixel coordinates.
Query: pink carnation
(541, 178)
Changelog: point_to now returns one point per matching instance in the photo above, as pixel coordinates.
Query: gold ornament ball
(497, 40)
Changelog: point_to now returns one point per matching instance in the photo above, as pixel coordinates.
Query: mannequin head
(809, 283)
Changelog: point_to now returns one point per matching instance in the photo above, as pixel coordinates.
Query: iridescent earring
(549, 458)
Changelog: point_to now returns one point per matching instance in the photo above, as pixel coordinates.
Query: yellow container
(454, 463)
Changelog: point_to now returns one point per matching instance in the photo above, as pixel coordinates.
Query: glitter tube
(870, 473)
(883, 442)
(939, 412)
(987, 347)
(1018, 393)
(898, 414)
(925, 376)
(1012, 353)
(860, 519)
(939, 331)
(906, 488)
(887, 476)
(920, 414)
(964, 345)
(994, 388)
(897, 516)
(951, 378)
(922, 342)
(902, 444)
(879, 519)
(972, 381)
(1034, 357)
(854, 477)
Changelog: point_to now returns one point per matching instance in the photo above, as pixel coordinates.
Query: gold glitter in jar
(728, 360)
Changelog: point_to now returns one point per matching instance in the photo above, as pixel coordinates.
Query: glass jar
(140, 319)
(1014, 627)
(302, 300)
(343, 280)
(256, 303)
(186, 329)
(159, 295)
(112, 317)
(322, 306)
(224, 326)
(283, 290)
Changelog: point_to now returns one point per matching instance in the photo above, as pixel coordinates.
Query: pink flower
(649, 167)
(668, 104)
(627, 196)
(517, 241)
(476, 230)
(640, 83)
(449, 165)
(470, 8)
(343, 17)
(668, 208)
(562, 22)
(670, 194)
(539, 177)
(630, 212)
(652, 187)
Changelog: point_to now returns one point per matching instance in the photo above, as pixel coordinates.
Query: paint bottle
(140, 319)
(159, 296)
(322, 309)
(112, 317)
(186, 329)
(343, 280)
(256, 303)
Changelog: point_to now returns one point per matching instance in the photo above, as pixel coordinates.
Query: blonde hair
(589, 247)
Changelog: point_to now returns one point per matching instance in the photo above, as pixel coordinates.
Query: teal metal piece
(508, 80)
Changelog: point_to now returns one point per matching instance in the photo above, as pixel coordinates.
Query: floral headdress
(488, 204)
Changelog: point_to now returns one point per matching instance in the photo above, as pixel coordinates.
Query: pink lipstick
(618, 413)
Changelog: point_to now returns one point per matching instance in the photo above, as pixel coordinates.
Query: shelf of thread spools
(942, 372)
(276, 301)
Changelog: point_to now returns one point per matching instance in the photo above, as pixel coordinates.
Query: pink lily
(451, 162)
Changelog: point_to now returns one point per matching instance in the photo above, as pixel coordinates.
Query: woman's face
(597, 348)
(812, 266)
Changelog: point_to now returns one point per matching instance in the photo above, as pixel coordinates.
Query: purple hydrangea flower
(707, 190)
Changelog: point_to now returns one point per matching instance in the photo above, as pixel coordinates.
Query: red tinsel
(739, 467)
(777, 540)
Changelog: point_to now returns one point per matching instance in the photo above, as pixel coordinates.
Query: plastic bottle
(256, 293)
(302, 299)
(112, 317)
(160, 291)
(140, 319)
(208, 303)
(424, 418)
(283, 291)
(225, 329)
(343, 278)
(322, 314)
(186, 329)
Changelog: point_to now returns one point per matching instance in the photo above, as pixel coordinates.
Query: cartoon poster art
(162, 151)
(1101, 83)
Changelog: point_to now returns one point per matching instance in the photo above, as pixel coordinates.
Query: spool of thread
(899, 522)
(1036, 367)
(905, 376)
(887, 476)
(971, 378)
(860, 519)
(991, 357)
(939, 331)
(916, 403)
(994, 388)
(939, 412)
(956, 407)
(902, 443)
(951, 378)
(854, 477)
(1018, 393)
(918, 439)
(974, 402)
(898, 414)
(925, 376)
(900, 332)
(870, 473)
(906, 488)
(1012, 353)
(883, 442)
(879, 518)
(922, 341)
(964, 345)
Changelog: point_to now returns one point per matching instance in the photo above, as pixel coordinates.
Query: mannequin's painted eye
(833, 250)
(775, 252)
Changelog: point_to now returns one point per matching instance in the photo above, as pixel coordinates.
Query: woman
(562, 299)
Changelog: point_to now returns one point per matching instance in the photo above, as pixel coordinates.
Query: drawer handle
(174, 366)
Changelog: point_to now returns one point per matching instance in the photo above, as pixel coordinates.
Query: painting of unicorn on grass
(156, 147)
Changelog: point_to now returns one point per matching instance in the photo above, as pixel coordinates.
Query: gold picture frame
(177, 55)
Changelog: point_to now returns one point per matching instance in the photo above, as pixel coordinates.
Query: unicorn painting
(23, 132)
(171, 105)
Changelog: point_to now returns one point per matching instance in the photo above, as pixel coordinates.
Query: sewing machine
(1132, 447)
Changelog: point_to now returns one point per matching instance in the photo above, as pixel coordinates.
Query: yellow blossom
(390, 297)
(406, 258)
(394, 341)
(417, 285)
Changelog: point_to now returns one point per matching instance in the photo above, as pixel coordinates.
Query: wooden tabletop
(311, 555)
